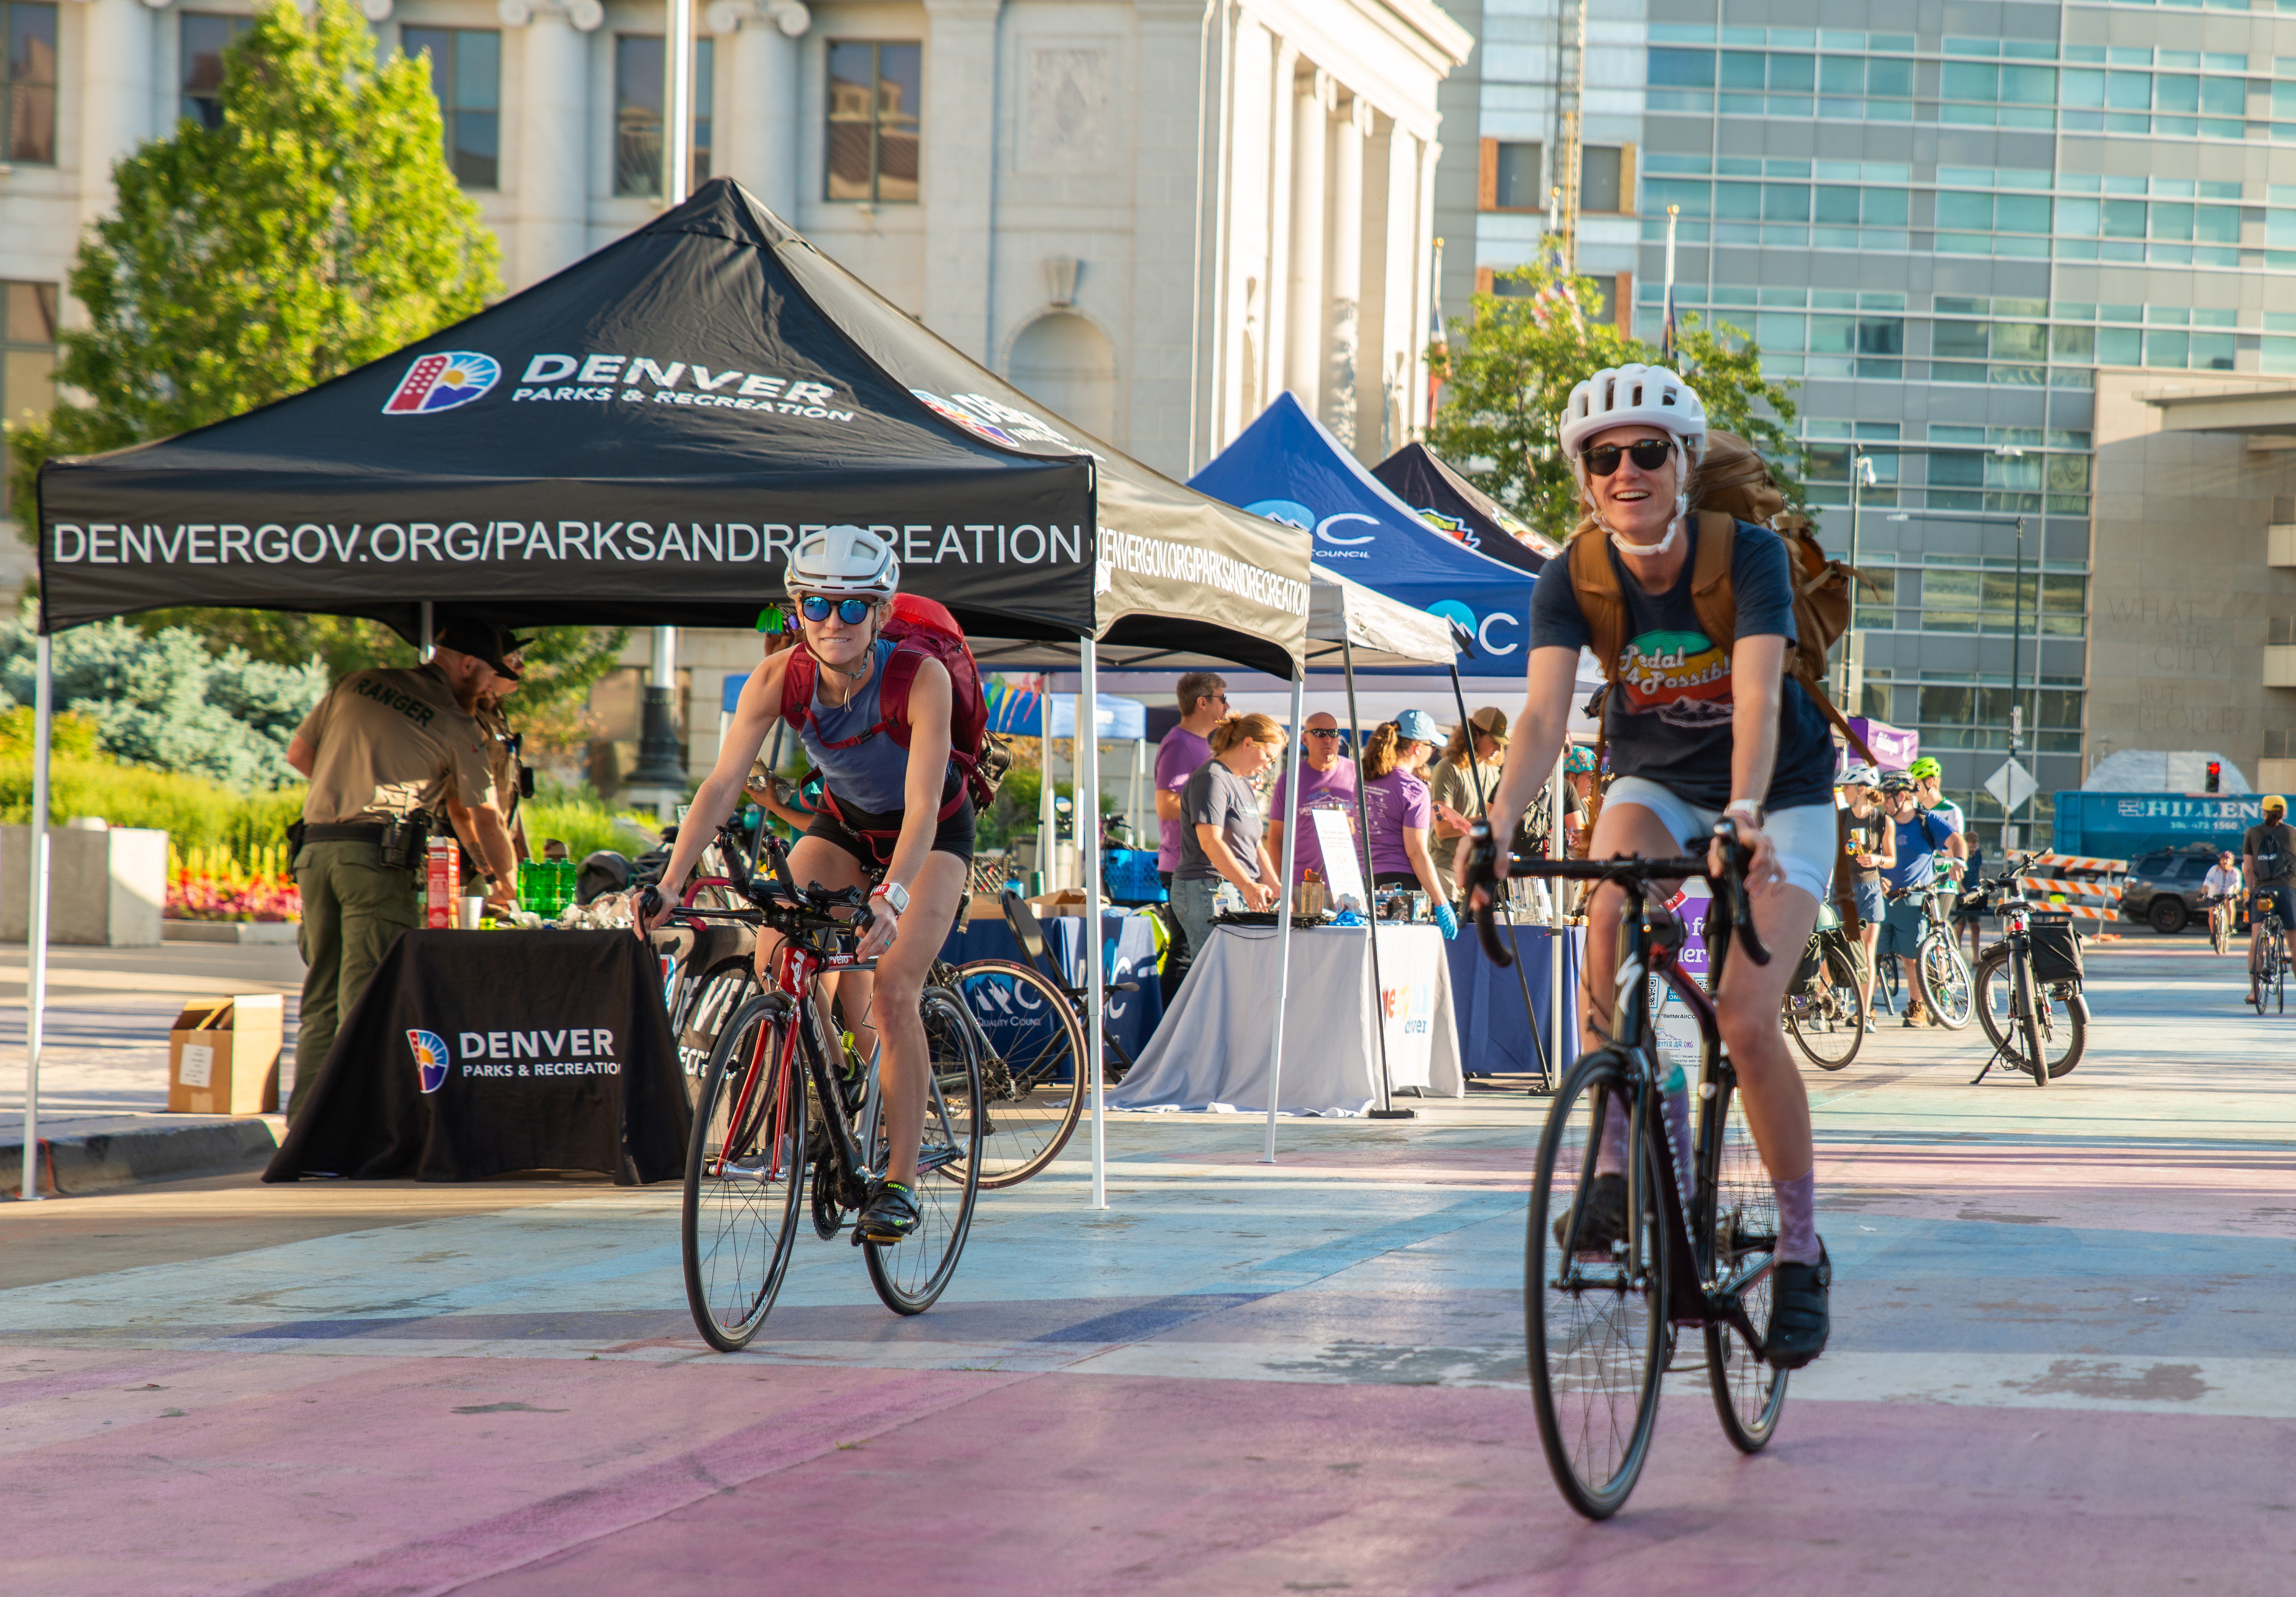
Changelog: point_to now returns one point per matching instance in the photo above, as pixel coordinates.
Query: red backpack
(917, 628)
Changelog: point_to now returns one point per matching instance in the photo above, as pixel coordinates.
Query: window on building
(28, 84)
(1603, 179)
(203, 37)
(28, 358)
(1519, 176)
(638, 117)
(466, 75)
(876, 97)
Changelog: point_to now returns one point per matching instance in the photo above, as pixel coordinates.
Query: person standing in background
(1327, 781)
(503, 747)
(1869, 847)
(1461, 781)
(1227, 837)
(1397, 804)
(1203, 702)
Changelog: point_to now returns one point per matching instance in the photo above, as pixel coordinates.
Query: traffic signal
(2215, 774)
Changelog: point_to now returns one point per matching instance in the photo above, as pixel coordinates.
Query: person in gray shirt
(1223, 834)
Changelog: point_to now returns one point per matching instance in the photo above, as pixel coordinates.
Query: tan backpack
(1734, 484)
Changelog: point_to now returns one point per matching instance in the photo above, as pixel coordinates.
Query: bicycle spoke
(744, 1167)
(1748, 1394)
(910, 1275)
(1033, 1077)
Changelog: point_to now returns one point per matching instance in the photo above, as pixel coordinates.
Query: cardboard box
(1067, 901)
(223, 1056)
(442, 885)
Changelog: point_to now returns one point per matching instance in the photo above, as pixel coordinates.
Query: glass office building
(1943, 220)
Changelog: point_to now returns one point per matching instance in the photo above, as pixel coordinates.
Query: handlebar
(779, 901)
(1625, 869)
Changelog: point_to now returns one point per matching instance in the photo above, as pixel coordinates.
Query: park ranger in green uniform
(387, 751)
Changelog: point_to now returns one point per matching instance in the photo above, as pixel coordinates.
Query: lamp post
(1862, 476)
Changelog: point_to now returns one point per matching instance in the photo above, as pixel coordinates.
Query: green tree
(1511, 366)
(318, 228)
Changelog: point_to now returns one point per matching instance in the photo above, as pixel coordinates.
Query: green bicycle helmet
(1924, 768)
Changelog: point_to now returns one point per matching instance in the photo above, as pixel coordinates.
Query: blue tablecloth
(1488, 1001)
(1129, 952)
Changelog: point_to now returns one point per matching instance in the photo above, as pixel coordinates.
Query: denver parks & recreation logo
(431, 1060)
(442, 381)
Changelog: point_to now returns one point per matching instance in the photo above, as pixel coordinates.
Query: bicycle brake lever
(1482, 872)
(1736, 857)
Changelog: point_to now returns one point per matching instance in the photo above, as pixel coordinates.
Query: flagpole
(1666, 327)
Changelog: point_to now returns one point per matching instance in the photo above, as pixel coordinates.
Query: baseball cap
(1490, 721)
(1581, 760)
(2274, 801)
(483, 641)
(1417, 726)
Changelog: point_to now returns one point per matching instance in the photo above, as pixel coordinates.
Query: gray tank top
(873, 774)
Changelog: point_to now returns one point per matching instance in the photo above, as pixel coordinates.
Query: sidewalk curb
(98, 1161)
(245, 933)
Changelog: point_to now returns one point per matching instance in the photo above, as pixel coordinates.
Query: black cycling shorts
(953, 836)
(2280, 893)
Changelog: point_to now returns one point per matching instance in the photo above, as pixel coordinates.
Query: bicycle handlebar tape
(648, 902)
(1482, 854)
(1736, 857)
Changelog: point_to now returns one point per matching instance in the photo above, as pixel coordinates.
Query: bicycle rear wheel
(1947, 984)
(2064, 1034)
(1594, 1302)
(1033, 1077)
(1743, 1231)
(909, 1274)
(1826, 1014)
(744, 1168)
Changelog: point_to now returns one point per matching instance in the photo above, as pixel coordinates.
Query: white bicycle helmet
(1625, 396)
(843, 560)
(1858, 776)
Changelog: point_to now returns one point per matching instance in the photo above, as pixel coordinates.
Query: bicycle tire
(707, 1009)
(1947, 984)
(1036, 1048)
(742, 1178)
(1740, 1214)
(912, 1274)
(2219, 930)
(1828, 1025)
(1596, 1349)
(2060, 1020)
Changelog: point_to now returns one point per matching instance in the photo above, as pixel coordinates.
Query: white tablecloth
(1211, 1051)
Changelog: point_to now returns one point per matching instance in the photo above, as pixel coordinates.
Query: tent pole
(1095, 1018)
(1387, 1110)
(1558, 929)
(1045, 843)
(36, 926)
(678, 102)
(1498, 903)
(427, 647)
(1284, 903)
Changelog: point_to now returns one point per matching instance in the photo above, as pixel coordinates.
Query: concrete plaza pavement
(2060, 1362)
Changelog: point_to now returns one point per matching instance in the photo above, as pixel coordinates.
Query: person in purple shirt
(1326, 782)
(1400, 810)
(1203, 701)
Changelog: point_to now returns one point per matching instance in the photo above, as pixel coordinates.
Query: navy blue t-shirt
(1668, 716)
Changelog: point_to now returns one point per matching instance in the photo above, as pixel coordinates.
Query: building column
(1343, 290)
(1421, 408)
(1281, 118)
(1303, 343)
(119, 42)
(1403, 320)
(958, 170)
(757, 132)
(553, 165)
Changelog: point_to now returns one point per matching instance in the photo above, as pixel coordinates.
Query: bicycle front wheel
(1595, 1288)
(1826, 1014)
(1033, 1078)
(744, 1168)
(911, 1274)
(1947, 984)
(1741, 1234)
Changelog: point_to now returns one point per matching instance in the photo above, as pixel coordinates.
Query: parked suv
(2163, 889)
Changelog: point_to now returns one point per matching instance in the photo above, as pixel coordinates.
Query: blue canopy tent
(1286, 467)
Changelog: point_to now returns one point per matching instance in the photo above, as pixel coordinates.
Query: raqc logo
(431, 1060)
(442, 381)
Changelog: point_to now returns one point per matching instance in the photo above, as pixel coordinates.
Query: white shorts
(1805, 836)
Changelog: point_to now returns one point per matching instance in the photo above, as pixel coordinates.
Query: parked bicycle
(784, 1098)
(1946, 982)
(2029, 986)
(1825, 1008)
(1700, 1228)
(2267, 968)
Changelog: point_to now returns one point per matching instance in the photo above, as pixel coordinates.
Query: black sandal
(1798, 1317)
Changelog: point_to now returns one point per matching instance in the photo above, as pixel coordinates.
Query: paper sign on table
(1341, 869)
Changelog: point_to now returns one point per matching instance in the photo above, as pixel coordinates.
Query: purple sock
(1797, 1228)
(1610, 1158)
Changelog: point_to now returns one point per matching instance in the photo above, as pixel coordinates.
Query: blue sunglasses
(851, 611)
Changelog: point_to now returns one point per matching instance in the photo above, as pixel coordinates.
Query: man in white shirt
(2221, 888)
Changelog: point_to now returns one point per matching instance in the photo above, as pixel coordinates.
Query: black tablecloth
(472, 1053)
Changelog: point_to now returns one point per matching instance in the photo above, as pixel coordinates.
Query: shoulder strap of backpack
(1601, 605)
(797, 686)
(1711, 593)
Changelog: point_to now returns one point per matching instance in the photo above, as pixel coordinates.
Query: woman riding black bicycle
(1636, 437)
(897, 818)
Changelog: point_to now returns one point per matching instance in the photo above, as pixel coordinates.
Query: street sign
(2011, 785)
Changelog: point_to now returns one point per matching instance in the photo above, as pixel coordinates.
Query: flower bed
(213, 885)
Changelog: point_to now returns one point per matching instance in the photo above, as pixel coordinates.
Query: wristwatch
(894, 894)
(1753, 812)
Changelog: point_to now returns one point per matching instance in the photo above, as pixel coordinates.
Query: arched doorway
(1067, 364)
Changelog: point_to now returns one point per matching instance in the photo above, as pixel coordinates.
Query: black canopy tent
(639, 439)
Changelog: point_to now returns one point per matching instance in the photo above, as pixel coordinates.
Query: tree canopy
(1510, 368)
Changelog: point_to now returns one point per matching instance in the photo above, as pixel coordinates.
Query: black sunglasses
(1649, 454)
(851, 611)
(1323, 732)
